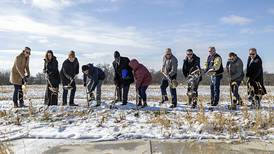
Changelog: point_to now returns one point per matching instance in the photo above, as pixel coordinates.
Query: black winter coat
(51, 70)
(254, 71)
(69, 70)
(190, 66)
(119, 69)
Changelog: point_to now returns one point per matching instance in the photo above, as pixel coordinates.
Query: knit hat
(85, 67)
(116, 54)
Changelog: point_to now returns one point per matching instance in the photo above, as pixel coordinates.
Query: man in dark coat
(70, 69)
(123, 76)
(234, 67)
(143, 79)
(93, 78)
(214, 68)
(52, 77)
(191, 66)
(255, 79)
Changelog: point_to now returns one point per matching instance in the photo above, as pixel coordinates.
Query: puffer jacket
(141, 74)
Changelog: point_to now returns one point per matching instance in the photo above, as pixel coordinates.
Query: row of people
(127, 71)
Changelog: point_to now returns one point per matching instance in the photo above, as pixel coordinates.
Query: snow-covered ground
(128, 122)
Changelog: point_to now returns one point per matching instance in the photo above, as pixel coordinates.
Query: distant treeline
(39, 78)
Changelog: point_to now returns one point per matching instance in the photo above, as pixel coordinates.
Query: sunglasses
(190, 54)
(252, 54)
(28, 53)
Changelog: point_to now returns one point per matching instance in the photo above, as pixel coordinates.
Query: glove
(25, 80)
(85, 84)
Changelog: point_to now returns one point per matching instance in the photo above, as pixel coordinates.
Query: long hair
(46, 56)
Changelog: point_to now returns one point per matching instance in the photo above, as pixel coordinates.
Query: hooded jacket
(141, 74)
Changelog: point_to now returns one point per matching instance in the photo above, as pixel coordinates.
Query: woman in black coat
(254, 74)
(52, 77)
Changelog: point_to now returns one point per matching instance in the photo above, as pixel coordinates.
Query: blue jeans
(215, 89)
(164, 85)
(142, 93)
(18, 94)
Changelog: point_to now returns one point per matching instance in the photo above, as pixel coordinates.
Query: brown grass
(4, 149)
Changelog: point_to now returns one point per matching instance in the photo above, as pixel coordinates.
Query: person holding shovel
(169, 70)
(93, 79)
(143, 79)
(235, 71)
(69, 70)
(19, 75)
(52, 78)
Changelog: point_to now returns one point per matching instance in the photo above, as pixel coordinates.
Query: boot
(194, 105)
(15, 104)
(233, 105)
(22, 105)
(240, 102)
(124, 103)
(173, 106)
(139, 102)
(164, 98)
(72, 104)
(98, 103)
(144, 104)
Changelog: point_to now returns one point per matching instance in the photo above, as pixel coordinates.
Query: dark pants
(72, 94)
(18, 94)
(164, 85)
(125, 89)
(50, 97)
(215, 89)
(98, 88)
(142, 93)
(235, 90)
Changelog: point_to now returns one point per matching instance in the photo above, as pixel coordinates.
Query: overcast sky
(139, 29)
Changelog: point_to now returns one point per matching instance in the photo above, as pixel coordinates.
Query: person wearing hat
(169, 69)
(93, 78)
(123, 76)
(69, 70)
(19, 75)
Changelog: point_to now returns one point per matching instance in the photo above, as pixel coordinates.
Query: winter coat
(141, 74)
(19, 70)
(235, 69)
(51, 70)
(170, 66)
(254, 71)
(69, 70)
(190, 66)
(123, 72)
(214, 62)
(94, 74)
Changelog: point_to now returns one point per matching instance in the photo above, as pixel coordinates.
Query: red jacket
(141, 74)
